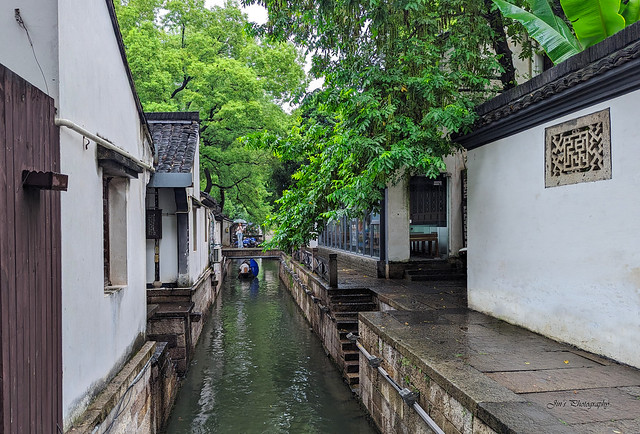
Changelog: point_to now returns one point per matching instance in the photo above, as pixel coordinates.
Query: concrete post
(333, 270)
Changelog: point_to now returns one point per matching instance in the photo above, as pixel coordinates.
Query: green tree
(401, 76)
(185, 56)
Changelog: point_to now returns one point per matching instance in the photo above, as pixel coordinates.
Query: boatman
(245, 270)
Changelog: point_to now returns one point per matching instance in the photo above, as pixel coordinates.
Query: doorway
(428, 231)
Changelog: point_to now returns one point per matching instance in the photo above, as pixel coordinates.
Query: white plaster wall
(98, 330)
(217, 241)
(226, 233)
(41, 20)
(561, 261)
(199, 257)
(168, 242)
(455, 164)
(526, 68)
(397, 235)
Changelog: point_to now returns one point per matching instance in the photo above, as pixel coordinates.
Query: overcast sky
(256, 13)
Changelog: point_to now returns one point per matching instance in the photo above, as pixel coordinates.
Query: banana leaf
(551, 32)
(593, 20)
(630, 11)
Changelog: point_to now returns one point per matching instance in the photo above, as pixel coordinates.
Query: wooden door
(30, 283)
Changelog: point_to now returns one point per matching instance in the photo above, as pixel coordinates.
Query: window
(358, 235)
(114, 213)
(578, 150)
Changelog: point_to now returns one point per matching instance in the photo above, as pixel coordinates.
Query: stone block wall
(137, 400)
(179, 316)
(202, 298)
(365, 264)
(390, 413)
(175, 330)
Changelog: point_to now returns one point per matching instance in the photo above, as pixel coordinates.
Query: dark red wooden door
(30, 284)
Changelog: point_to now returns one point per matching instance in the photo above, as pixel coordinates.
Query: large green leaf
(630, 11)
(552, 34)
(593, 20)
(543, 10)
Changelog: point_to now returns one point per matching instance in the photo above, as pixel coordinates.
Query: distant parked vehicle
(249, 242)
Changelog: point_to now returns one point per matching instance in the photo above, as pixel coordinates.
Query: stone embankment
(472, 373)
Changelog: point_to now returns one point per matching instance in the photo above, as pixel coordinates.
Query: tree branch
(221, 187)
(185, 81)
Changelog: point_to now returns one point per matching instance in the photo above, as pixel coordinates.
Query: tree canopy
(401, 76)
(187, 57)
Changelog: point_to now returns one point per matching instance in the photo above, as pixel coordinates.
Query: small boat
(248, 269)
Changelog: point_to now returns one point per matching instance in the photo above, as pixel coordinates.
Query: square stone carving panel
(578, 150)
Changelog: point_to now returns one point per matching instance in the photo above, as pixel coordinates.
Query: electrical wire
(21, 23)
(120, 408)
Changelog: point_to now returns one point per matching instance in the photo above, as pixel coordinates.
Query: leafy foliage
(187, 57)
(592, 21)
(400, 78)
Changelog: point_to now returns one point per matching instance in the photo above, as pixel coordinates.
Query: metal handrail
(313, 262)
(409, 397)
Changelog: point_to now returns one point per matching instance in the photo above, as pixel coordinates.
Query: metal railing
(327, 269)
(409, 397)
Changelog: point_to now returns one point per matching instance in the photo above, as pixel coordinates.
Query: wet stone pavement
(513, 379)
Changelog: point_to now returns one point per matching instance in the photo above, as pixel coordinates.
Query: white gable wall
(41, 20)
(561, 261)
(99, 329)
(198, 256)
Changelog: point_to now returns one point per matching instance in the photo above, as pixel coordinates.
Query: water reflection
(259, 369)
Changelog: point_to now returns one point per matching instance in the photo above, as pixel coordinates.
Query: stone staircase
(435, 270)
(345, 305)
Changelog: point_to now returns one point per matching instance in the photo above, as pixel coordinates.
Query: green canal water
(258, 368)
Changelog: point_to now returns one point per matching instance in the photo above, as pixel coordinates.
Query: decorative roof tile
(176, 137)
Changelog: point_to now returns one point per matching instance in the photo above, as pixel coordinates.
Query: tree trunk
(207, 176)
(501, 47)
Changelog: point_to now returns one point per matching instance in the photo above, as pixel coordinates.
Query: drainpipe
(102, 142)
(156, 257)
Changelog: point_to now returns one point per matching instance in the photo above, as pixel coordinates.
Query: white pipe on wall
(102, 142)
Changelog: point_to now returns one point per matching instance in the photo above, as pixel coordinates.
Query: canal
(258, 368)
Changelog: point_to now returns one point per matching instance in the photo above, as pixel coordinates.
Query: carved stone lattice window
(578, 150)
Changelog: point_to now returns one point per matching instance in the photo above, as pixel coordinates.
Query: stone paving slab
(588, 405)
(567, 379)
(521, 418)
(623, 426)
(505, 374)
(527, 361)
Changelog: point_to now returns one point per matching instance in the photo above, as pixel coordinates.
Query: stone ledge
(108, 399)
(492, 404)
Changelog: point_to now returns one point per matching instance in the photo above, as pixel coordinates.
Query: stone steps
(345, 305)
(432, 271)
(427, 277)
(356, 307)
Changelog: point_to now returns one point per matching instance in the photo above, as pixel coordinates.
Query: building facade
(552, 181)
(72, 52)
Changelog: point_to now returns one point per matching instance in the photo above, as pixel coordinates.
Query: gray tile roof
(175, 136)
